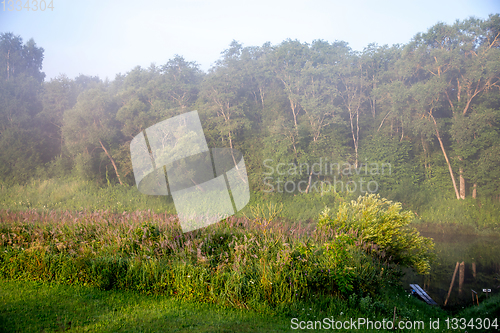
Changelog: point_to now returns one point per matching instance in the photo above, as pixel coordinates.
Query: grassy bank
(345, 266)
(470, 216)
(77, 195)
(43, 307)
(238, 262)
(481, 216)
(246, 263)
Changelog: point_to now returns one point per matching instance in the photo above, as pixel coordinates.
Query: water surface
(481, 269)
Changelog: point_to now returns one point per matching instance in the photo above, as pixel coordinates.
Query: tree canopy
(429, 108)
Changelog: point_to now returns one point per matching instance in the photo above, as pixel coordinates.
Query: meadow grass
(27, 306)
(42, 307)
(62, 194)
(470, 216)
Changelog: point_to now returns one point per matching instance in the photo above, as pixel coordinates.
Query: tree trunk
(474, 191)
(112, 162)
(446, 158)
(309, 182)
(355, 135)
(402, 130)
(261, 91)
(462, 184)
(293, 106)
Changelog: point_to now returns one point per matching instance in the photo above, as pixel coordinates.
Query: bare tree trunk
(402, 131)
(261, 91)
(446, 158)
(462, 184)
(293, 106)
(112, 162)
(309, 182)
(355, 134)
(474, 191)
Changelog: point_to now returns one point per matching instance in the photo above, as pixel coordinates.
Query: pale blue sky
(108, 37)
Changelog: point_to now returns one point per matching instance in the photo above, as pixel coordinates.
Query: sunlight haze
(107, 38)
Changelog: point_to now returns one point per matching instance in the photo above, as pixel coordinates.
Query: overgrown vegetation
(383, 223)
(239, 262)
(427, 112)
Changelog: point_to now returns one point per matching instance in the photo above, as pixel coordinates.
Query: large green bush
(385, 230)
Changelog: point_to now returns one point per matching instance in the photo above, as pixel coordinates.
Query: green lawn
(37, 307)
(43, 307)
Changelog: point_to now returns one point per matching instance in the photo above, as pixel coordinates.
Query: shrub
(384, 229)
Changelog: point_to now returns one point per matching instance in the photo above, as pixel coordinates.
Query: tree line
(430, 108)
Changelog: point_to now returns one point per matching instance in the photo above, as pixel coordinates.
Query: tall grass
(76, 195)
(473, 215)
(236, 262)
(477, 214)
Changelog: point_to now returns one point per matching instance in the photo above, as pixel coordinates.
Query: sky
(105, 38)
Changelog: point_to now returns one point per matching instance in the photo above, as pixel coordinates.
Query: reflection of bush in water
(452, 248)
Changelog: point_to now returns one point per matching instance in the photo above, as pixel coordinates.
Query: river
(480, 270)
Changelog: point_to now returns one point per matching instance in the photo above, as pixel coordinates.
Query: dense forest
(429, 109)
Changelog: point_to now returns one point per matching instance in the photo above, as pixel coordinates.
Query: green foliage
(292, 103)
(238, 262)
(21, 155)
(383, 224)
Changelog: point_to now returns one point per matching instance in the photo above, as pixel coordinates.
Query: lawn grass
(42, 307)
(27, 306)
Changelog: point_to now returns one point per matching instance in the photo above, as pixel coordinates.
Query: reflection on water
(481, 268)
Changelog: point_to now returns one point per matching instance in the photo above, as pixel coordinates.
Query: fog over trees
(430, 108)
